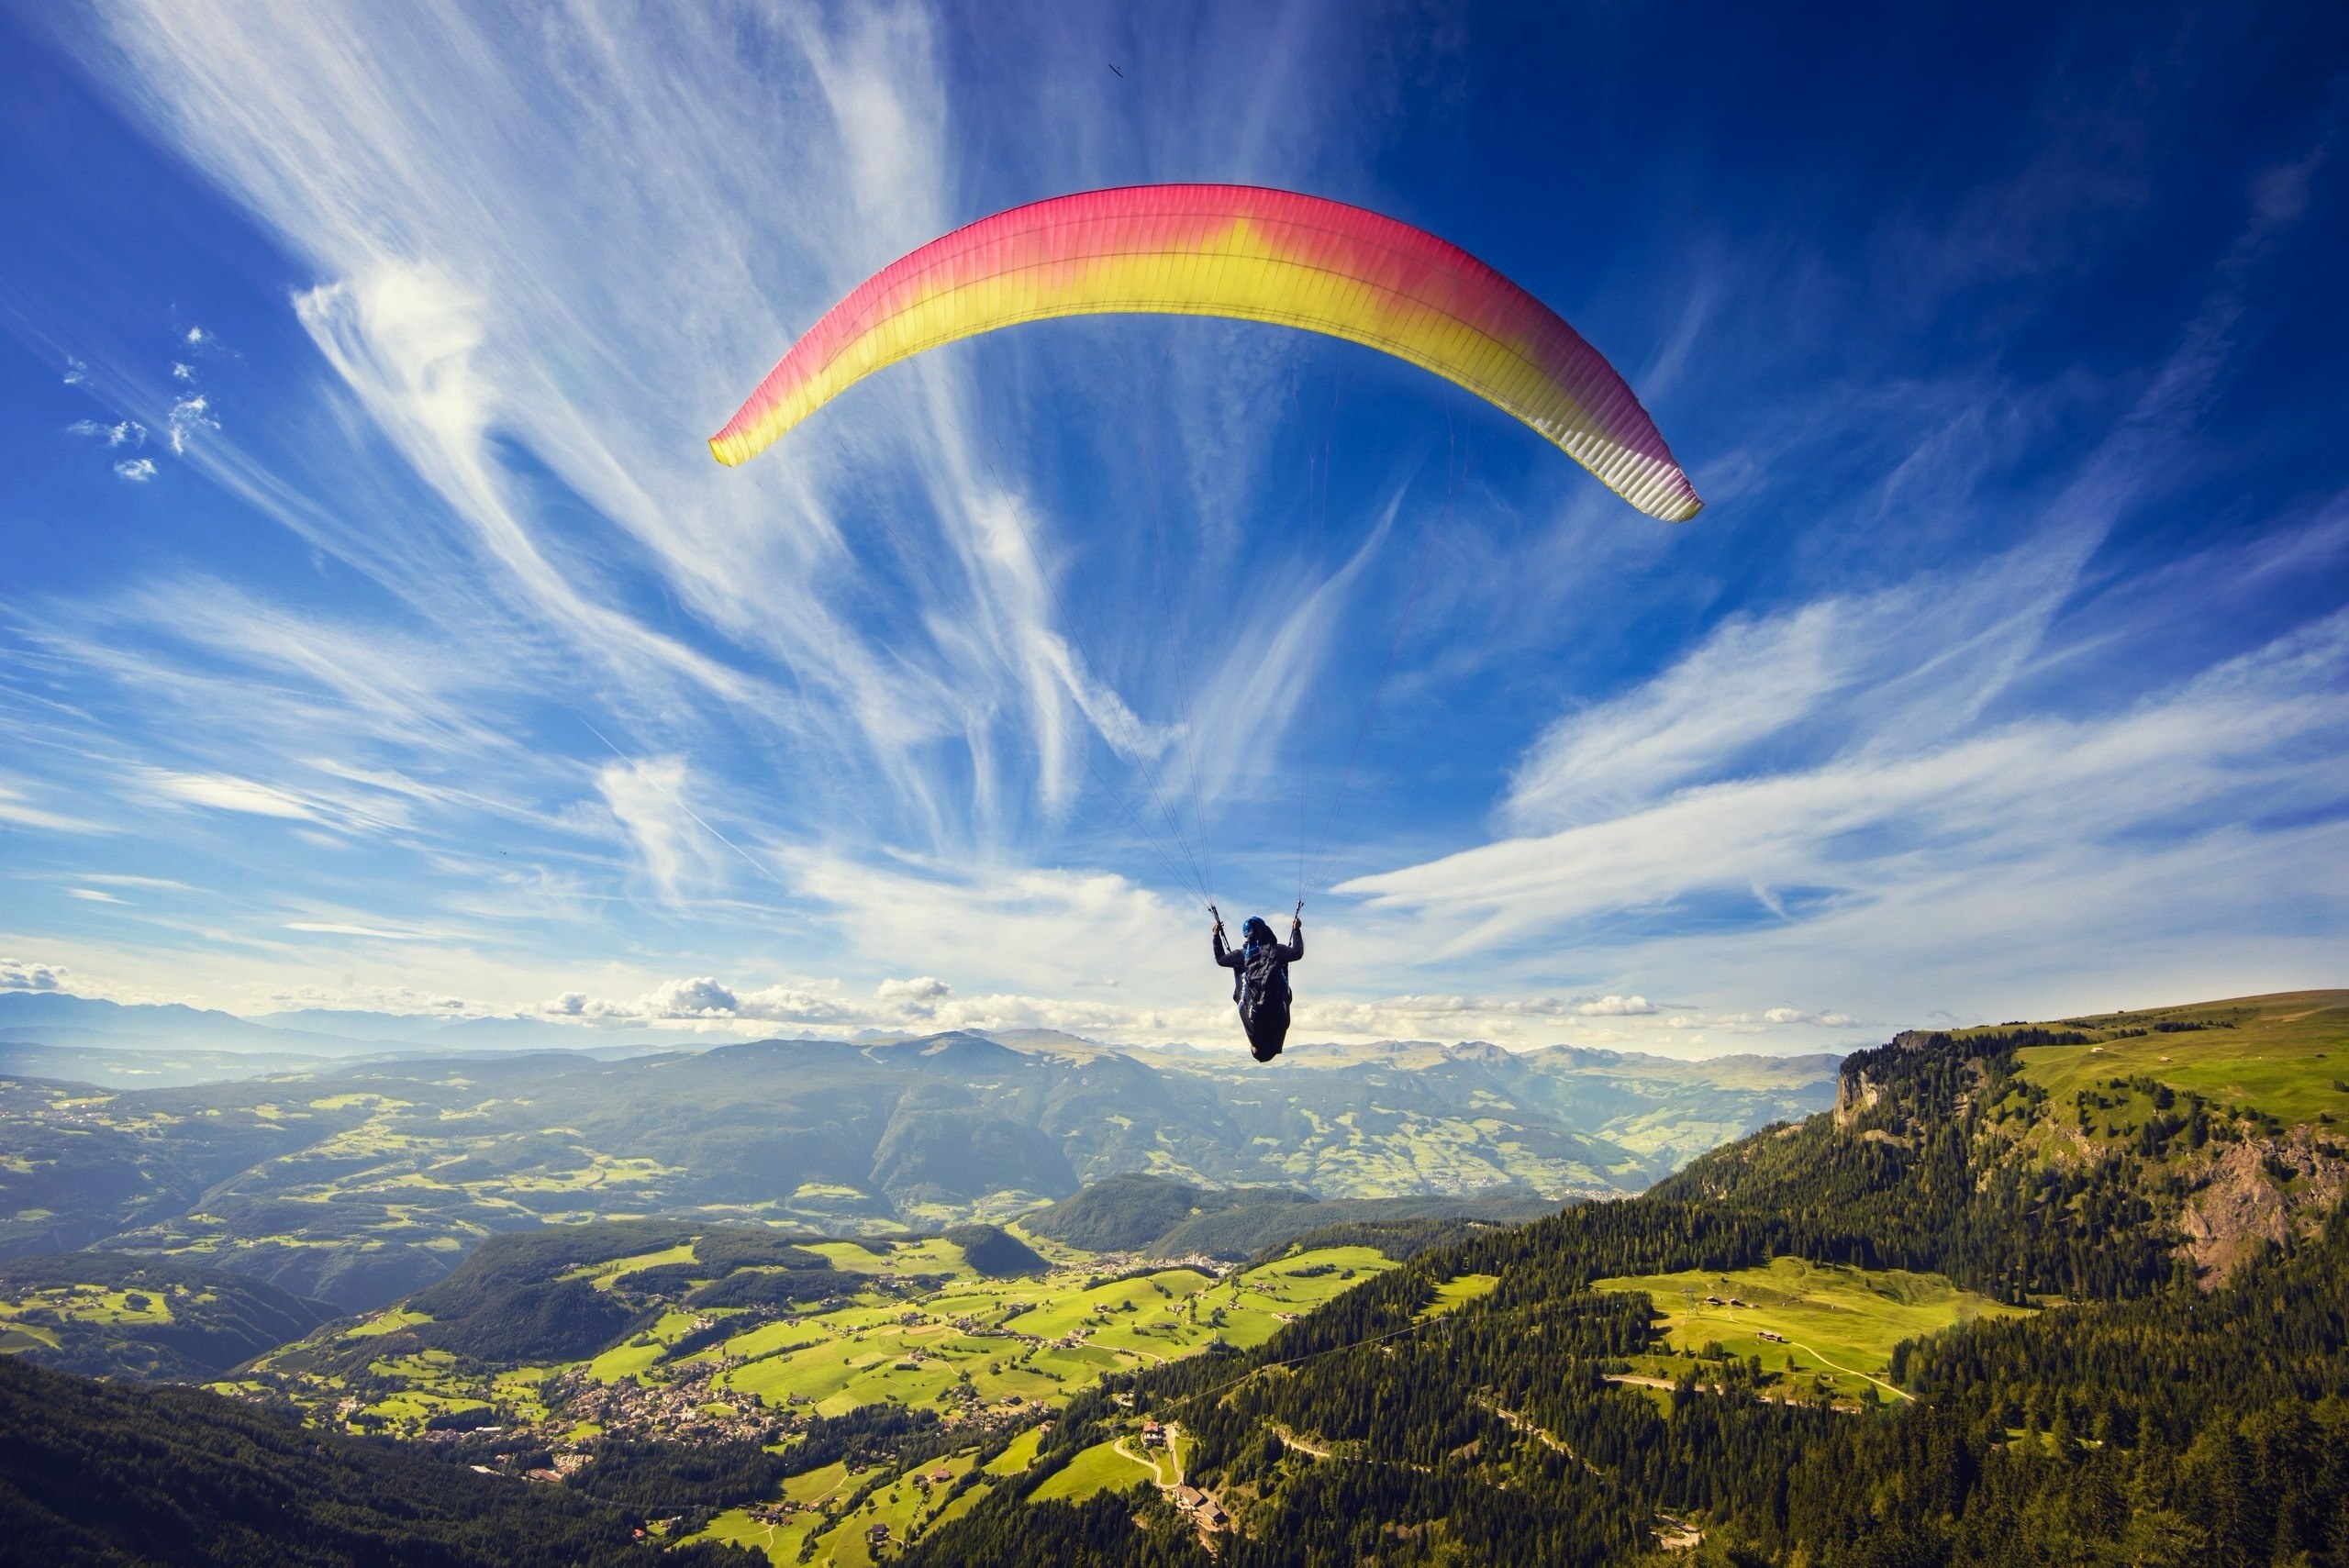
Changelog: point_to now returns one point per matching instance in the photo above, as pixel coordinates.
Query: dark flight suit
(1261, 984)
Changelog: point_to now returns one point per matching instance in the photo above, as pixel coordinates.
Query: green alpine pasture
(1828, 1317)
(2285, 1055)
(1458, 1291)
(1104, 1467)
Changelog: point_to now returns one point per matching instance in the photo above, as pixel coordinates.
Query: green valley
(967, 1363)
(2008, 1271)
(905, 1323)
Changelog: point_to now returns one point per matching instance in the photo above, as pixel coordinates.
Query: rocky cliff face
(1856, 1091)
(2261, 1190)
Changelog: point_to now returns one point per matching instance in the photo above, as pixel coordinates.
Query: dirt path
(1290, 1440)
(1157, 1477)
(1899, 1393)
(1523, 1424)
(1639, 1382)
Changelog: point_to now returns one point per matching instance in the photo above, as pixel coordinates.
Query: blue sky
(376, 631)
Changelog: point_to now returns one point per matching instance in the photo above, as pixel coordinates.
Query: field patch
(1806, 1317)
(1104, 1467)
(1458, 1292)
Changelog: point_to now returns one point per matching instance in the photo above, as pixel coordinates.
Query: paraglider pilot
(1261, 983)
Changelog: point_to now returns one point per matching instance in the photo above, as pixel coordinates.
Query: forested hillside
(1161, 1218)
(95, 1472)
(109, 1314)
(2144, 1396)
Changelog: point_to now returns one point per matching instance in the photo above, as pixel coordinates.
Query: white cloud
(346, 929)
(16, 808)
(222, 792)
(17, 974)
(122, 432)
(933, 667)
(788, 1004)
(922, 988)
(1827, 1018)
(647, 795)
(371, 998)
(138, 471)
(91, 896)
(2261, 734)
(76, 372)
(1006, 928)
(182, 370)
(1616, 1008)
(189, 415)
(703, 997)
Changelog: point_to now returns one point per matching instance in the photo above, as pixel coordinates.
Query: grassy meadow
(2285, 1055)
(1831, 1318)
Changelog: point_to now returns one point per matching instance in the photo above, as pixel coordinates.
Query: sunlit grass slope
(2285, 1055)
(1828, 1316)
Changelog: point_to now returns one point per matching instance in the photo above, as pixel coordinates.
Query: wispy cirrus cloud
(16, 808)
(2255, 740)
(960, 691)
(221, 792)
(1792, 771)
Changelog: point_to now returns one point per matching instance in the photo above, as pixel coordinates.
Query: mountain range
(357, 1179)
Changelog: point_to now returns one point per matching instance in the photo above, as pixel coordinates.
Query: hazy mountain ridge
(365, 1180)
(1159, 1218)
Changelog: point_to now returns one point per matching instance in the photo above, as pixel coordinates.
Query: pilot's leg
(1267, 1030)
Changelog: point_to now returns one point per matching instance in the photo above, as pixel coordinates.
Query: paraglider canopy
(1249, 254)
